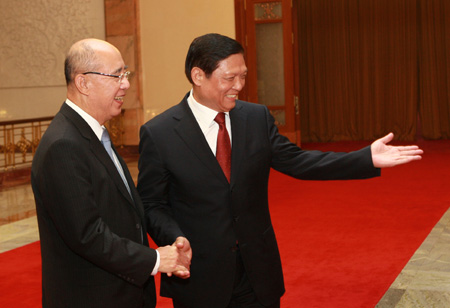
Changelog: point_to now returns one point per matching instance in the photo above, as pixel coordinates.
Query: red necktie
(223, 150)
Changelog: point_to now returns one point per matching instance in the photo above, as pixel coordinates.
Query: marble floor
(424, 282)
(18, 223)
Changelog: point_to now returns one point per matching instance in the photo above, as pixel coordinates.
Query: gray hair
(81, 57)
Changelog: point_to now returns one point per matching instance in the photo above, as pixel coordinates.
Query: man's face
(219, 92)
(106, 97)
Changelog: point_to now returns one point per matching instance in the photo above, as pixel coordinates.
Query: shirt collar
(204, 115)
(93, 123)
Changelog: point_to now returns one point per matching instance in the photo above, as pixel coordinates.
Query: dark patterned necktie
(223, 150)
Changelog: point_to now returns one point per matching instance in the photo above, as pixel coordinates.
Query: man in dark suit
(221, 209)
(92, 229)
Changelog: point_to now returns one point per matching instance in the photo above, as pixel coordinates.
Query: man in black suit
(92, 229)
(221, 209)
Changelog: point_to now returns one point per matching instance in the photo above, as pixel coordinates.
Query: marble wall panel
(122, 31)
(34, 39)
(120, 17)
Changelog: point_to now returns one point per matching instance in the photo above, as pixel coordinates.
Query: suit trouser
(243, 295)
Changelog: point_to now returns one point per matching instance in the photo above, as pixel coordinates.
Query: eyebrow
(229, 75)
(120, 69)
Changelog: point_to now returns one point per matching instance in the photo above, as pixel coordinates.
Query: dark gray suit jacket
(185, 192)
(94, 253)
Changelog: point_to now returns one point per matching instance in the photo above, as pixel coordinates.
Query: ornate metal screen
(19, 140)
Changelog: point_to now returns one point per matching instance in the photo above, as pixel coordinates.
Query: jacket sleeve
(153, 187)
(288, 158)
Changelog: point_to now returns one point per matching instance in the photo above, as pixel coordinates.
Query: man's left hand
(384, 155)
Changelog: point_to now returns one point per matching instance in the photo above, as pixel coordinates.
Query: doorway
(267, 30)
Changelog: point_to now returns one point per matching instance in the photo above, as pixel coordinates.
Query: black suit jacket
(94, 253)
(185, 192)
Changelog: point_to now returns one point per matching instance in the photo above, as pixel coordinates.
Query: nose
(124, 84)
(239, 84)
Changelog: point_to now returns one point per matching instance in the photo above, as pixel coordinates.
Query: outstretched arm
(384, 155)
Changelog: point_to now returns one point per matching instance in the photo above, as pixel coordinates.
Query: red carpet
(20, 277)
(342, 242)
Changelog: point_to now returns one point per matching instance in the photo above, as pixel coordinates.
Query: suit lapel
(239, 134)
(190, 132)
(100, 152)
(97, 149)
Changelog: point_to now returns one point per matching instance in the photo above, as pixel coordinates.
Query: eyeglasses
(121, 76)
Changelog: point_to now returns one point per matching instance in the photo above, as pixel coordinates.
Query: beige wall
(167, 28)
(34, 38)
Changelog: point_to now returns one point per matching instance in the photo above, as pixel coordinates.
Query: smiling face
(220, 90)
(106, 94)
(87, 66)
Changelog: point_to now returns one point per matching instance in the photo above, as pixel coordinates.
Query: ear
(197, 75)
(82, 84)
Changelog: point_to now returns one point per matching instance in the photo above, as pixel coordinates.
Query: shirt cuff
(155, 269)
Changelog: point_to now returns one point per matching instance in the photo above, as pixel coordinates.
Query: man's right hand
(185, 251)
(171, 260)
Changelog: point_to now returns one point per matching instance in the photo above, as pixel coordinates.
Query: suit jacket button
(138, 226)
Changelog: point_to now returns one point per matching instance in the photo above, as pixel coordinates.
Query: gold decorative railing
(19, 140)
(116, 130)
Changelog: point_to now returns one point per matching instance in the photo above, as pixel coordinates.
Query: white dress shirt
(205, 118)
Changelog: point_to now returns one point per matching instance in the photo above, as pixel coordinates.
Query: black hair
(207, 51)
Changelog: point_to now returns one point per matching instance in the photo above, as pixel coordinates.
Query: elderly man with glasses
(94, 246)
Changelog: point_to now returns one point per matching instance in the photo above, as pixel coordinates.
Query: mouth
(119, 98)
(234, 96)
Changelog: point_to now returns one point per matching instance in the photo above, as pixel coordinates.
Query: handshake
(176, 259)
